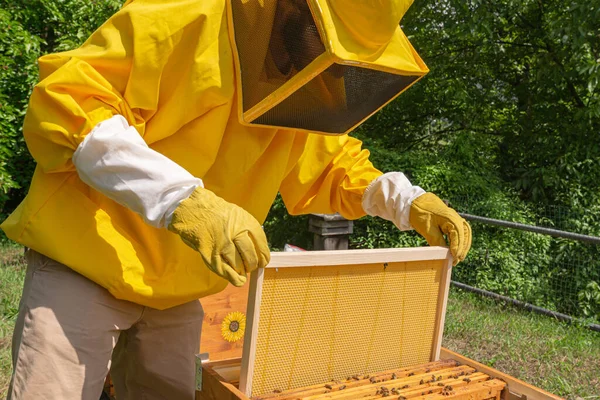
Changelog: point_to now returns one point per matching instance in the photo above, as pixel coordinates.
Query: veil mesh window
(331, 104)
(274, 43)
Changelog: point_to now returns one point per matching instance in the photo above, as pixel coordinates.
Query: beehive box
(220, 381)
(445, 379)
(342, 325)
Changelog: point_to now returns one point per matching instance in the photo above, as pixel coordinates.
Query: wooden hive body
(287, 302)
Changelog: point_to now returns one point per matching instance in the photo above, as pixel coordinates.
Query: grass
(12, 273)
(560, 358)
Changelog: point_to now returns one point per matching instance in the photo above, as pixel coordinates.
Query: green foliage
(29, 29)
(18, 52)
(282, 229)
(504, 261)
(589, 300)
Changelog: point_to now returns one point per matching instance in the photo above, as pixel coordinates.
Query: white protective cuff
(390, 197)
(114, 159)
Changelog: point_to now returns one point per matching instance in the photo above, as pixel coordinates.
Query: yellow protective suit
(168, 68)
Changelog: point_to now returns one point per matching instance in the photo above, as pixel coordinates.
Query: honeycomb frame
(326, 315)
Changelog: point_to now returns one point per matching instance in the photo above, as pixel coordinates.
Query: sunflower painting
(233, 326)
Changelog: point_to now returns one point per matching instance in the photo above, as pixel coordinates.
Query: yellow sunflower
(233, 326)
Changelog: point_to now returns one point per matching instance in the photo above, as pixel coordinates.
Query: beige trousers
(71, 331)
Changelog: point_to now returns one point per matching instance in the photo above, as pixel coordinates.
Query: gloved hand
(431, 218)
(229, 239)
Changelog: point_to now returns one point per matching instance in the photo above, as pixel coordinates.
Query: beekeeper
(161, 144)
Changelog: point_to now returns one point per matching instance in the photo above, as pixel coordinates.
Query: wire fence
(538, 261)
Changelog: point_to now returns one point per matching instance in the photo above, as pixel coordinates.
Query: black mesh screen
(336, 100)
(275, 41)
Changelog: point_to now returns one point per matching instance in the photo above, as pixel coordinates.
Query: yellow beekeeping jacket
(167, 67)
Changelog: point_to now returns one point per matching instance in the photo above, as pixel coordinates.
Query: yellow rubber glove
(433, 219)
(230, 240)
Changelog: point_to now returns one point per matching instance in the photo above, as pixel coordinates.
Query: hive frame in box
(342, 258)
(219, 381)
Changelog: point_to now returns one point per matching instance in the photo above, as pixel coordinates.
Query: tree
(29, 29)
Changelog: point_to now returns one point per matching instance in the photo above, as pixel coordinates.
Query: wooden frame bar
(354, 257)
(253, 311)
(441, 311)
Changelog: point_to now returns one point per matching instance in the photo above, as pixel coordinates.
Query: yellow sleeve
(146, 54)
(78, 89)
(64, 107)
(330, 176)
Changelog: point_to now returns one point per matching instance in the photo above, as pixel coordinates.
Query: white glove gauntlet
(114, 159)
(390, 197)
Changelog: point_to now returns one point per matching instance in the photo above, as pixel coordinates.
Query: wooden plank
(254, 296)
(515, 385)
(229, 373)
(441, 309)
(217, 365)
(480, 391)
(215, 388)
(353, 257)
(216, 308)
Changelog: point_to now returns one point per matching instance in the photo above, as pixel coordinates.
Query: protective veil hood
(319, 65)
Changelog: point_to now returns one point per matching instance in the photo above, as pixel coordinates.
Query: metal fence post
(331, 231)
